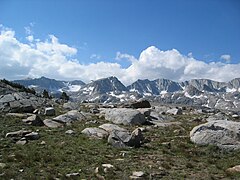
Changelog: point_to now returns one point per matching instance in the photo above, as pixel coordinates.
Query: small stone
(95, 132)
(72, 175)
(34, 120)
(20, 133)
(2, 165)
(235, 116)
(32, 136)
(43, 143)
(22, 141)
(107, 165)
(96, 170)
(175, 111)
(36, 111)
(138, 173)
(69, 132)
(52, 124)
(50, 111)
(234, 169)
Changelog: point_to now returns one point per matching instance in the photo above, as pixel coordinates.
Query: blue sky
(99, 29)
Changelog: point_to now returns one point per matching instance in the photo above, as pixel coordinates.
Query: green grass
(168, 155)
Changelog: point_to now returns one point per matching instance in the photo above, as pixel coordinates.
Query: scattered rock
(7, 98)
(70, 117)
(154, 116)
(175, 111)
(42, 143)
(18, 115)
(107, 166)
(69, 132)
(34, 120)
(52, 124)
(32, 136)
(94, 111)
(36, 111)
(145, 111)
(22, 141)
(49, 111)
(165, 124)
(71, 106)
(137, 175)
(111, 127)
(125, 116)
(235, 116)
(141, 104)
(122, 139)
(20, 133)
(119, 139)
(216, 117)
(2, 165)
(235, 169)
(95, 132)
(71, 175)
(224, 134)
(136, 138)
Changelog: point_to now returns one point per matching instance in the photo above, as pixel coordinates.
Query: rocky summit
(149, 130)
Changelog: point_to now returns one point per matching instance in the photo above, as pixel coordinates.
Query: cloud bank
(53, 59)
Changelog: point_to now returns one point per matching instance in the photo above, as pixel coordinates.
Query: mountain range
(51, 85)
(143, 87)
(224, 95)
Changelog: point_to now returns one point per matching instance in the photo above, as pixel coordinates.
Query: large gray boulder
(124, 116)
(34, 120)
(95, 132)
(122, 139)
(52, 124)
(70, 117)
(222, 133)
(7, 98)
(174, 111)
(217, 117)
(71, 106)
(111, 127)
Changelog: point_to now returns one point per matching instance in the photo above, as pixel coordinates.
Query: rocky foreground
(51, 139)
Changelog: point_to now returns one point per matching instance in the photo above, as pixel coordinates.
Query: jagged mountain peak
(51, 85)
(104, 85)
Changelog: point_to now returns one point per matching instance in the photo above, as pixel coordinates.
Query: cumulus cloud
(30, 38)
(226, 57)
(53, 59)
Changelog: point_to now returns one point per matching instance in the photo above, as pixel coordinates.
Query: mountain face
(105, 85)
(51, 85)
(206, 85)
(234, 84)
(199, 92)
(155, 87)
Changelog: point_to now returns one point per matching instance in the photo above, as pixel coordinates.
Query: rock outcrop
(124, 116)
(222, 133)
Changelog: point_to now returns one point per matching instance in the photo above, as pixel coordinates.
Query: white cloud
(30, 38)
(28, 29)
(54, 47)
(226, 57)
(95, 56)
(53, 59)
